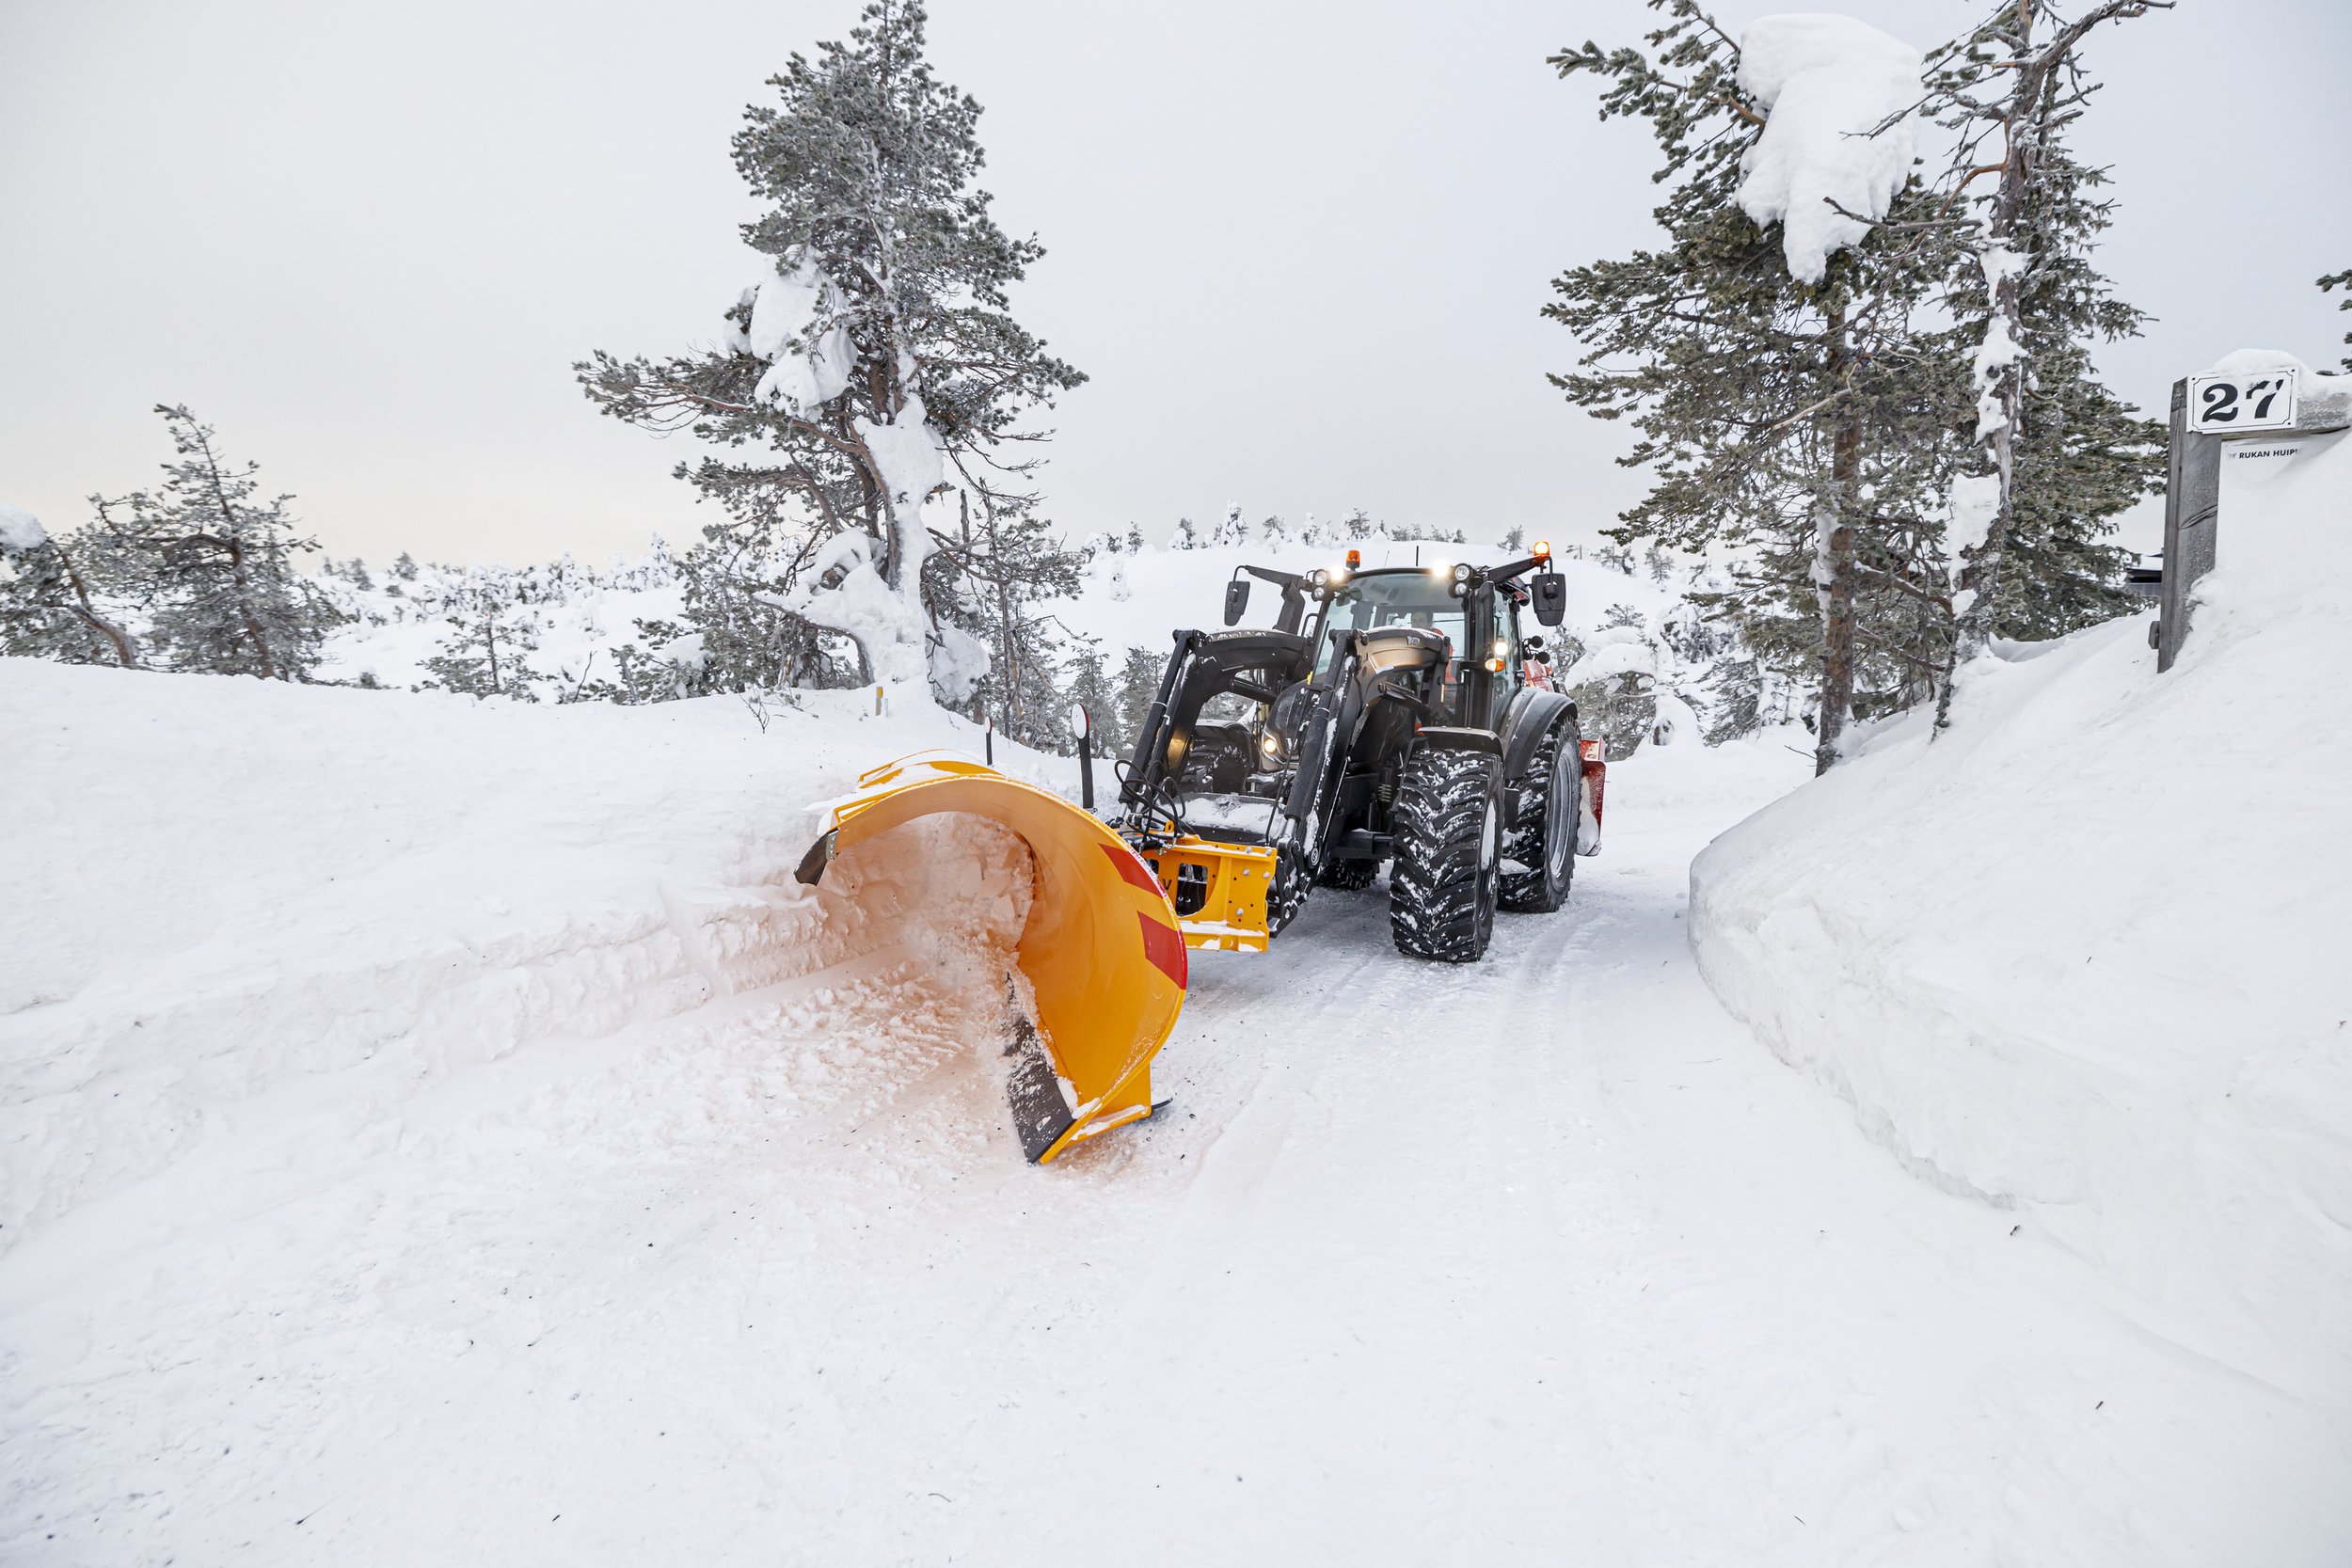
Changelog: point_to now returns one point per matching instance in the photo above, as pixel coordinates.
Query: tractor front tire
(1544, 817)
(1446, 826)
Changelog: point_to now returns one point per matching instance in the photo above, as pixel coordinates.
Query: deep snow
(441, 1131)
(2083, 954)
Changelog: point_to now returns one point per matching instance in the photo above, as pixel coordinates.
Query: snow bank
(1826, 82)
(2084, 955)
(240, 886)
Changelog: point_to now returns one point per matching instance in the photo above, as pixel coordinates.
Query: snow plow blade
(1103, 950)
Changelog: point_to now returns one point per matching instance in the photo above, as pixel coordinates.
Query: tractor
(1387, 716)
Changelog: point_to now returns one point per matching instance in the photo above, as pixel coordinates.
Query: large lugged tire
(1542, 839)
(1447, 830)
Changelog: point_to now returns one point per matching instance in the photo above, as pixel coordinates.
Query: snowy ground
(443, 1133)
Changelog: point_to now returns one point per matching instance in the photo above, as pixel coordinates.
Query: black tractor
(1387, 716)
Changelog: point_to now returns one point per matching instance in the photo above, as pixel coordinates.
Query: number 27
(2222, 398)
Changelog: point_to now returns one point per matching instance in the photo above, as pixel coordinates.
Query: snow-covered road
(1544, 1258)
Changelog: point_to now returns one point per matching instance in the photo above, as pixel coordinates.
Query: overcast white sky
(1300, 247)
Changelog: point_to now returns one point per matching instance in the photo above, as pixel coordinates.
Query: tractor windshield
(1394, 599)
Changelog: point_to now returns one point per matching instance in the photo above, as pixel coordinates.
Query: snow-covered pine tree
(219, 566)
(1134, 538)
(1186, 536)
(878, 352)
(1276, 533)
(54, 595)
(1233, 528)
(1357, 524)
(491, 632)
(1090, 691)
(1138, 684)
(1771, 359)
(1514, 540)
(988, 582)
(2035, 301)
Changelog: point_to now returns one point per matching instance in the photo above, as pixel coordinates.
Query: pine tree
(1008, 561)
(1138, 686)
(1092, 693)
(490, 633)
(2328, 285)
(220, 565)
(879, 354)
(405, 567)
(1795, 422)
(54, 595)
(2034, 303)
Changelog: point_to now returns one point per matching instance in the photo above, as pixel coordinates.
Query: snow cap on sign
(1826, 82)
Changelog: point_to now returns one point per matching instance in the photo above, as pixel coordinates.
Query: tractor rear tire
(1544, 822)
(1349, 876)
(1447, 827)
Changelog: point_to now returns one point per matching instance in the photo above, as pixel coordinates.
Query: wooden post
(2192, 491)
(2192, 504)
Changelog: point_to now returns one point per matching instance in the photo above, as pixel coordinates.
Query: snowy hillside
(2084, 955)
(1635, 630)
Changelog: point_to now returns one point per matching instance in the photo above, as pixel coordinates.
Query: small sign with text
(2233, 403)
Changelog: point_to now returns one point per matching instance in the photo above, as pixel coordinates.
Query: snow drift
(2084, 952)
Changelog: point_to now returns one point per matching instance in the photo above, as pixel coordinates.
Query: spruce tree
(877, 355)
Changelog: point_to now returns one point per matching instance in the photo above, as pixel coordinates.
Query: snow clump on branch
(1827, 84)
(20, 532)
(808, 363)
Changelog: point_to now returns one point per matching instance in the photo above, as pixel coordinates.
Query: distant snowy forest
(1858, 367)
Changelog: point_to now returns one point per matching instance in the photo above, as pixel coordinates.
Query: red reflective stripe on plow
(1165, 946)
(1131, 867)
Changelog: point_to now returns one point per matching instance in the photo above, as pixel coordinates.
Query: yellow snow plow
(1103, 950)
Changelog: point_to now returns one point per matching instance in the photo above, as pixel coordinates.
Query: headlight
(1462, 573)
(1502, 647)
(1438, 569)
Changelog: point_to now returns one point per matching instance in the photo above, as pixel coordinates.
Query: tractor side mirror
(1551, 597)
(1236, 600)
